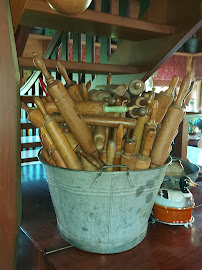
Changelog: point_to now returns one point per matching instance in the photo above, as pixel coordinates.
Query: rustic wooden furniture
(148, 42)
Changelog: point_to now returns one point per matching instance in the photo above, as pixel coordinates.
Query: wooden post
(10, 199)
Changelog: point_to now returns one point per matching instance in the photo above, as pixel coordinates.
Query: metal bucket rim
(168, 161)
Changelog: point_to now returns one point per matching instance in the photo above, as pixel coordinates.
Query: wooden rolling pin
(111, 152)
(72, 87)
(47, 157)
(170, 124)
(119, 140)
(143, 161)
(36, 118)
(48, 143)
(113, 89)
(136, 87)
(138, 131)
(99, 137)
(100, 95)
(128, 156)
(151, 123)
(76, 147)
(68, 110)
(89, 108)
(84, 91)
(59, 139)
(165, 99)
(103, 152)
(87, 165)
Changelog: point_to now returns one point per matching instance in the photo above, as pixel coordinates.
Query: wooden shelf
(39, 37)
(38, 13)
(89, 68)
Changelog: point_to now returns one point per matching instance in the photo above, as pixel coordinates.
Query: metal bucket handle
(113, 166)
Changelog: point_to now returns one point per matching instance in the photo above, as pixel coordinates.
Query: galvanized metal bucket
(103, 212)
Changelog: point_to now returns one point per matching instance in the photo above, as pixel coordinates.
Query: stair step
(30, 141)
(29, 155)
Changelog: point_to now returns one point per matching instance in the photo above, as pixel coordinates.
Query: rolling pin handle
(40, 105)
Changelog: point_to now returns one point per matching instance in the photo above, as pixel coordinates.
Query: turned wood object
(151, 123)
(34, 115)
(172, 119)
(47, 157)
(165, 99)
(119, 139)
(68, 110)
(59, 139)
(128, 156)
(136, 87)
(111, 152)
(101, 95)
(103, 152)
(72, 87)
(88, 108)
(84, 91)
(87, 165)
(99, 137)
(69, 7)
(114, 89)
(149, 140)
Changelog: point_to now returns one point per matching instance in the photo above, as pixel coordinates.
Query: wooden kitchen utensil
(72, 87)
(59, 139)
(171, 121)
(67, 109)
(111, 152)
(128, 156)
(165, 99)
(103, 152)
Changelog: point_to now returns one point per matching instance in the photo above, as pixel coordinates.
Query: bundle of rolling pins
(85, 129)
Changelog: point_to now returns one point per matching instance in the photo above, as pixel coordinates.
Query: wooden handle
(172, 85)
(106, 138)
(61, 69)
(119, 137)
(47, 157)
(111, 151)
(59, 161)
(183, 90)
(39, 63)
(129, 147)
(138, 131)
(88, 85)
(85, 92)
(142, 162)
(87, 165)
(99, 137)
(154, 110)
(149, 140)
(40, 105)
(75, 92)
(109, 79)
(164, 103)
(25, 107)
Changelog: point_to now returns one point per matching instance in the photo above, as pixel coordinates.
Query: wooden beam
(134, 6)
(17, 9)
(173, 44)
(38, 13)
(10, 199)
(21, 38)
(80, 67)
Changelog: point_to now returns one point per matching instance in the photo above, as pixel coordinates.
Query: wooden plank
(10, 178)
(134, 7)
(38, 13)
(92, 68)
(17, 9)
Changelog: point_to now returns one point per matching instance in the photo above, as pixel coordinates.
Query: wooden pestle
(59, 139)
(151, 123)
(143, 161)
(103, 152)
(171, 121)
(128, 156)
(165, 99)
(68, 110)
(111, 152)
(119, 140)
(142, 120)
(88, 108)
(72, 87)
(36, 117)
